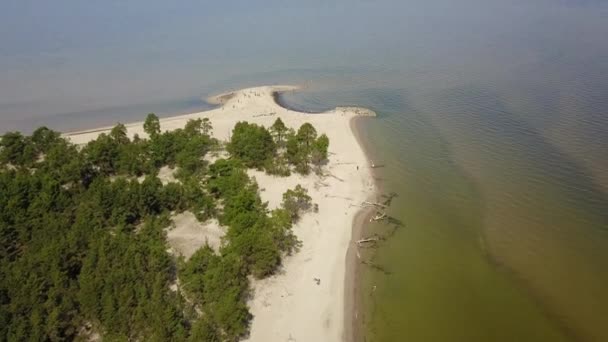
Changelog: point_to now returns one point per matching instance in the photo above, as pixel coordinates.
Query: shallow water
(497, 243)
(492, 126)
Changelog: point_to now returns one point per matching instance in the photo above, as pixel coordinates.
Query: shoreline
(353, 310)
(281, 102)
(218, 100)
(353, 315)
(290, 304)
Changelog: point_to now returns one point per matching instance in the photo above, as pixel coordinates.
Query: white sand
(188, 234)
(290, 305)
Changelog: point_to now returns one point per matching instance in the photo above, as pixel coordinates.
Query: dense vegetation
(83, 231)
(279, 149)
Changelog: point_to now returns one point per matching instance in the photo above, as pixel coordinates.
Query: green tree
(163, 148)
(226, 178)
(119, 134)
(277, 166)
(190, 154)
(44, 139)
(103, 154)
(131, 159)
(173, 197)
(319, 150)
(124, 286)
(304, 147)
(279, 129)
(63, 162)
(152, 125)
(193, 127)
(150, 196)
(17, 150)
(306, 136)
(283, 236)
(204, 330)
(220, 284)
(295, 201)
(292, 151)
(296, 153)
(199, 202)
(206, 126)
(252, 144)
(83, 241)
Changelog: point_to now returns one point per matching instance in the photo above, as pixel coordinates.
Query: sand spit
(291, 306)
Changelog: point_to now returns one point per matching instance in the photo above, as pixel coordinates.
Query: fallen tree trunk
(378, 217)
(371, 239)
(376, 204)
(376, 267)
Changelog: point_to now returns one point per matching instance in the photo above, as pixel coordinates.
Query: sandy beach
(291, 306)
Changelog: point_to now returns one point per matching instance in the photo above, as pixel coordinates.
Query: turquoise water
(493, 121)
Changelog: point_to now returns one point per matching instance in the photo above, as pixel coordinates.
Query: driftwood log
(366, 240)
(375, 204)
(376, 267)
(379, 216)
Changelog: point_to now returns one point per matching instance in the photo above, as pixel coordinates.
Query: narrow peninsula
(224, 225)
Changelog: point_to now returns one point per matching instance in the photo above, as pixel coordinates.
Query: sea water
(492, 130)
